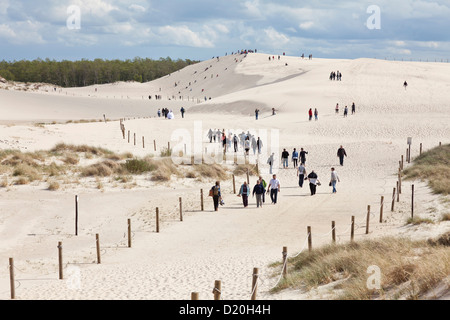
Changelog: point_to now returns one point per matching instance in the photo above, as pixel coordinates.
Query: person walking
(270, 162)
(274, 188)
(256, 114)
(254, 145)
(301, 173)
(337, 108)
(313, 182)
(353, 108)
(159, 113)
(182, 110)
(259, 145)
(310, 114)
(264, 184)
(235, 142)
(285, 159)
(303, 154)
(341, 154)
(244, 193)
(295, 157)
(259, 190)
(316, 114)
(334, 179)
(210, 135)
(405, 84)
(247, 145)
(216, 195)
(345, 112)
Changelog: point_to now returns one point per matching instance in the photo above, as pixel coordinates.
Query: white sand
(189, 256)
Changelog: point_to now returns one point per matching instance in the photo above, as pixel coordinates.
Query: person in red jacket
(310, 114)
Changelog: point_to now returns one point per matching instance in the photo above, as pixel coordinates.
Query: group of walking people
(245, 141)
(336, 76)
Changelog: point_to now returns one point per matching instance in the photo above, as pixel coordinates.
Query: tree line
(89, 72)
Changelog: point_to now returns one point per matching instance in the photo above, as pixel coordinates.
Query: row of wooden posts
(217, 285)
(397, 191)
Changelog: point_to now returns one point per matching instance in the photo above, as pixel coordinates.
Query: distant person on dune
(341, 154)
(310, 114)
(353, 108)
(316, 114)
(405, 84)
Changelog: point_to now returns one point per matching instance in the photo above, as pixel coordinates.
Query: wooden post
(154, 144)
(309, 239)
(381, 209)
(333, 231)
(129, 233)
(134, 138)
(409, 154)
(398, 194)
(352, 232)
(234, 185)
(412, 202)
(168, 146)
(254, 283)
(201, 199)
(217, 290)
(143, 142)
(402, 162)
(128, 136)
(248, 177)
(97, 242)
(76, 215)
(60, 261)
(284, 261)
(11, 278)
(368, 220)
(194, 296)
(157, 220)
(393, 200)
(420, 153)
(399, 182)
(181, 209)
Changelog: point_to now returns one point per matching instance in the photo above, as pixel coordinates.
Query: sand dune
(226, 245)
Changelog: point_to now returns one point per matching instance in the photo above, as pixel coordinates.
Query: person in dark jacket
(341, 154)
(216, 194)
(244, 193)
(259, 190)
(313, 182)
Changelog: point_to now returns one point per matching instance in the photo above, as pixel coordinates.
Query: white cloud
(137, 8)
(275, 38)
(306, 25)
(183, 36)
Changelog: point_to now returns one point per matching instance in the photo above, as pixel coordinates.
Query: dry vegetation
(433, 166)
(408, 268)
(63, 165)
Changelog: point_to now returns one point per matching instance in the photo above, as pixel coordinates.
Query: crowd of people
(273, 188)
(242, 141)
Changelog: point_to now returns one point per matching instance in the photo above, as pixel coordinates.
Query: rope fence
(258, 280)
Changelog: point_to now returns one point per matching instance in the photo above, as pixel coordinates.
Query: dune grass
(408, 268)
(433, 166)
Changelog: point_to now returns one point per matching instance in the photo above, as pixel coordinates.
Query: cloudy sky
(202, 29)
